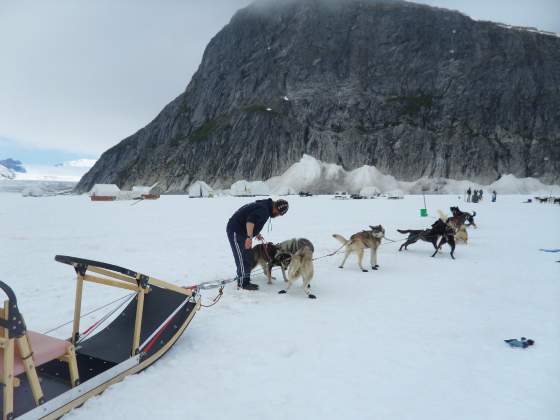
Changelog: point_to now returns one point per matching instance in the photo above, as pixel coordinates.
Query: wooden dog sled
(45, 377)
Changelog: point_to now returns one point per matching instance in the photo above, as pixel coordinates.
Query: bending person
(245, 224)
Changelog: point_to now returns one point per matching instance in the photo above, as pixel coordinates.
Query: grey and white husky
(360, 241)
(300, 264)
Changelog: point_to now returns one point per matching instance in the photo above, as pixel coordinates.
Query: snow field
(422, 338)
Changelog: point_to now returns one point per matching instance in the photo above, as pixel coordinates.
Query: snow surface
(310, 174)
(422, 338)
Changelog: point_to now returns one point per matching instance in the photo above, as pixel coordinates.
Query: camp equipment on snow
(523, 343)
(424, 211)
(46, 377)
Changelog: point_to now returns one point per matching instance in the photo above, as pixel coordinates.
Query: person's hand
(248, 243)
(260, 237)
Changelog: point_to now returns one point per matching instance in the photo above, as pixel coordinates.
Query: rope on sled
(216, 299)
(89, 313)
(93, 327)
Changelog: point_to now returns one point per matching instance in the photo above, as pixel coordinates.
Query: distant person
(469, 195)
(480, 195)
(475, 196)
(245, 224)
(494, 194)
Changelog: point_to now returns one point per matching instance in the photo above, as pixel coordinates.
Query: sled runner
(45, 377)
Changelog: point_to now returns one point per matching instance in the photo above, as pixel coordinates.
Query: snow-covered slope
(310, 174)
(6, 173)
(70, 171)
(421, 339)
(79, 163)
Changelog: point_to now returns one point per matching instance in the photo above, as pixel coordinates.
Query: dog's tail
(340, 239)
(442, 216)
(301, 264)
(403, 231)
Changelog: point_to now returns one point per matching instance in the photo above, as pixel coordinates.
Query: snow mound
(34, 191)
(310, 174)
(248, 188)
(370, 192)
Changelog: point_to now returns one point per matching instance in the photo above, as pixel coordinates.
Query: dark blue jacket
(256, 213)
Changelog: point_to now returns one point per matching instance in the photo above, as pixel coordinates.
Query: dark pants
(243, 257)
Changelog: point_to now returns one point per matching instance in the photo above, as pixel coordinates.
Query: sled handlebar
(81, 266)
(76, 262)
(14, 324)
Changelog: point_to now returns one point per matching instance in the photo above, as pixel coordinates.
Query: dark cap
(282, 206)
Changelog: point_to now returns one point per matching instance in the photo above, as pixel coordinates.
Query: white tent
(246, 188)
(395, 194)
(141, 189)
(370, 192)
(105, 190)
(200, 189)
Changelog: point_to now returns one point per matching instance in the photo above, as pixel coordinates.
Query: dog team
(295, 256)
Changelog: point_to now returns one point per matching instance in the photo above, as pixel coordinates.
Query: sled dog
(360, 241)
(268, 256)
(439, 229)
(460, 217)
(300, 263)
(462, 234)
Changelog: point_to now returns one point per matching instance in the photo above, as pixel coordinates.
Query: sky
(78, 76)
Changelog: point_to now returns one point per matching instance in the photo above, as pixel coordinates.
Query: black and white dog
(268, 256)
(468, 216)
(439, 229)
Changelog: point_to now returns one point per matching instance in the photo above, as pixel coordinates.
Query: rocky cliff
(413, 90)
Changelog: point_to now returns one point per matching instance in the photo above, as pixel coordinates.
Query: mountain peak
(413, 90)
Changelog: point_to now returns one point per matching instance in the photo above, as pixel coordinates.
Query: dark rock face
(414, 90)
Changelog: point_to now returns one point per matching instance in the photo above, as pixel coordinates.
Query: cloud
(80, 75)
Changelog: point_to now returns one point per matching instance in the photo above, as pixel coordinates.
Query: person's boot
(249, 286)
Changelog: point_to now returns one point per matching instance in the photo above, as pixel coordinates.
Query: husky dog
(439, 229)
(460, 217)
(360, 241)
(268, 256)
(300, 262)
(462, 234)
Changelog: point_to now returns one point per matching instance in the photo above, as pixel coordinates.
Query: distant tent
(141, 190)
(395, 194)
(104, 192)
(370, 192)
(200, 189)
(249, 189)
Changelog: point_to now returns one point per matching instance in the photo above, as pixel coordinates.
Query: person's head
(279, 208)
